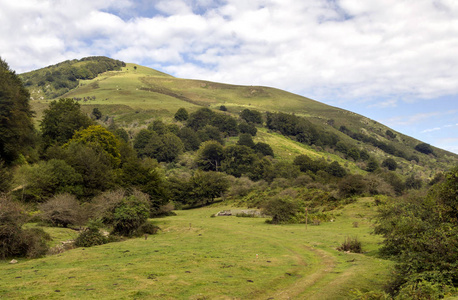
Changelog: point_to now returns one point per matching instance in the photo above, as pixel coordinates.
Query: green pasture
(196, 256)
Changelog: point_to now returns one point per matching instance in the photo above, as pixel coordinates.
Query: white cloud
(343, 49)
(431, 130)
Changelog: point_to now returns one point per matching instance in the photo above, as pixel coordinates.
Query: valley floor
(196, 256)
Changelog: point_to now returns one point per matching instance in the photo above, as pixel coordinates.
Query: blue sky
(393, 61)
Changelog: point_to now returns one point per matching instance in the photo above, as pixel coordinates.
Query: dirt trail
(327, 264)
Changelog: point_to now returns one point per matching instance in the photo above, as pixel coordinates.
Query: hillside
(134, 95)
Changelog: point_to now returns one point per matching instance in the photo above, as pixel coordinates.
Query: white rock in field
(13, 261)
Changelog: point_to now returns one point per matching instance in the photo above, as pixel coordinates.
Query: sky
(393, 61)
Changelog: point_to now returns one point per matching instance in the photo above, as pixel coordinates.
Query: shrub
(351, 245)
(127, 214)
(15, 241)
(63, 210)
(148, 228)
(91, 236)
(281, 210)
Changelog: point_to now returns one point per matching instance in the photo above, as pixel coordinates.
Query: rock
(13, 261)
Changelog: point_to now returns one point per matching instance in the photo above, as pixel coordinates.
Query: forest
(75, 171)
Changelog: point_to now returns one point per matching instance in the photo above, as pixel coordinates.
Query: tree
(206, 186)
(372, 165)
(210, 132)
(172, 148)
(424, 148)
(200, 118)
(61, 120)
(16, 127)
(100, 139)
(96, 113)
(128, 215)
(251, 116)
(159, 127)
(147, 179)
(390, 164)
(335, 169)
(47, 178)
(421, 234)
(264, 149)
(210, 155)
(181, 114)
(352, 185)
(190, 139)
(248, 128)
(281, 210)
(96, 167)
(246, 140)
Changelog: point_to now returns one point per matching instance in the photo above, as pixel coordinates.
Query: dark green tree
(159, 127)
(245, 127)
(190, 139)
(238, 160)
(47, 178)
(251, 116)
(200, 118)
(181, 114)
(264, 149)
(206, 186)
(424, 148)
(210, 132)
(390, 164)
(96, 113)
(335, 169)
(372, 165)
(16, 127)
(281, 210)
(246, 140)
(61, 120)
(210, 156)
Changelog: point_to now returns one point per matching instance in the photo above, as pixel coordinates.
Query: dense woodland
(74, 171)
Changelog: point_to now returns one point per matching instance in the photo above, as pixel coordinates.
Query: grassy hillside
(196, 256)
(136, 95)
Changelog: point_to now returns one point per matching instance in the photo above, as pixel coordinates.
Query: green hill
(134, 95)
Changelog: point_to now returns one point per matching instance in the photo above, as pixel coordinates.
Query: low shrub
(351, 245)
(148, 228)
(91, 236)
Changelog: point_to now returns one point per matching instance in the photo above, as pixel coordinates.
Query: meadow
(197, 256)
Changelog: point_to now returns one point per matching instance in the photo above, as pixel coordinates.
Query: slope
(135, 95)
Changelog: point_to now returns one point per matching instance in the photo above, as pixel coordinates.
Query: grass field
(196, 256)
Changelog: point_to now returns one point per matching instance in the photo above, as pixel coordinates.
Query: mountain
(134, 95)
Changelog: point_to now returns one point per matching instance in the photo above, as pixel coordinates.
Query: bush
(91, 236)
(281, 210)
(148, 228)
(15, 241)
(351, 245)
(63, 210)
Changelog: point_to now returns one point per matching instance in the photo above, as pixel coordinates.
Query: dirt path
(327, 264)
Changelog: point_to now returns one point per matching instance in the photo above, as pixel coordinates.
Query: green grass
(199, 257)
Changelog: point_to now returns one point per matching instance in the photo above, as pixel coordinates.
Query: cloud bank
(336, 49)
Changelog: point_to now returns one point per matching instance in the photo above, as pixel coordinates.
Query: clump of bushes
(351, 245)
(125, 211)
(63, 210)
(91, 236)
(15, 241)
